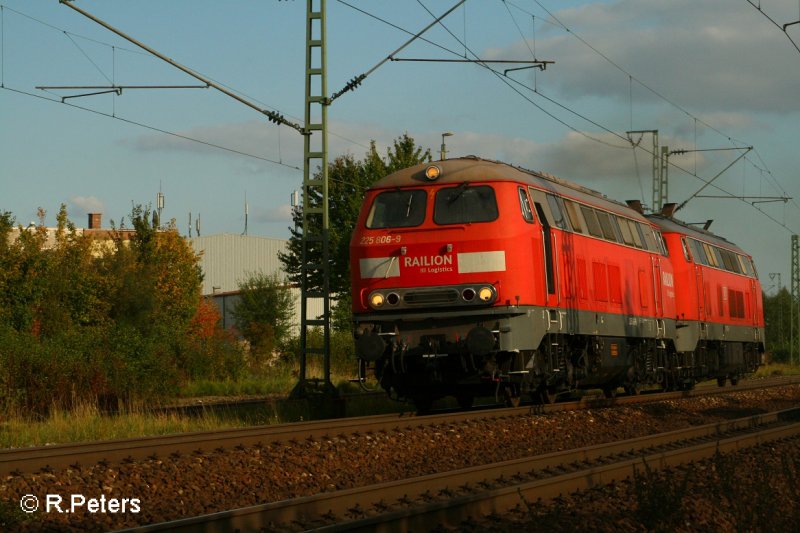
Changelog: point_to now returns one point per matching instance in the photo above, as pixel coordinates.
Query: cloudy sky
(712, 77)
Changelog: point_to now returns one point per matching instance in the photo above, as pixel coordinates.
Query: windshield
(465, 204)
(397, 209)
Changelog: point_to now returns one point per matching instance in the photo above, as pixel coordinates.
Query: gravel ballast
(168, 488)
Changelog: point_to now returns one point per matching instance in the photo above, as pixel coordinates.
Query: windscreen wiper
(461, 189)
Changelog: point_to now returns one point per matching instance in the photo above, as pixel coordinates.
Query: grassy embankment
(87, 423)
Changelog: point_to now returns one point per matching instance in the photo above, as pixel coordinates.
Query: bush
(343, 360)
(264, 314)
(88, 323)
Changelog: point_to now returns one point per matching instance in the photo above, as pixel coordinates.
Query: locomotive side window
(465, 204)
(753, 267)
(615, 226)
(698, 252)
(525, 205)
(605, 226)
(625, 229)
(685, 247)
(718, 256)
(591, 221)
(726, 259)
(572, 215)
(730, 258)
(397, 209)
(649, 238)
(638, 239)
(747, 266)
(712, 258)
(557, 212)
(662, 243)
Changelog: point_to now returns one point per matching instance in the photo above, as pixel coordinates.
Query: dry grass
(86, 423)
(777, 369)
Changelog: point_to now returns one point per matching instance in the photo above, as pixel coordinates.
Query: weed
(659, 498)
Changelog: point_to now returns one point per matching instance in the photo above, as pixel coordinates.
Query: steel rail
(33, 459)
(587, 465)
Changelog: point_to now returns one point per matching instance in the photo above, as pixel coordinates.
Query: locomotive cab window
(465, 204)
(397, 209)
(525, 205)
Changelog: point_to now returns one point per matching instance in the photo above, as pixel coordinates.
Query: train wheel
(512, 396)
(547, 395)
(423, 404)
(610, 392)
(465, 401)
(365, 369)
(721, 382)
(633, 389)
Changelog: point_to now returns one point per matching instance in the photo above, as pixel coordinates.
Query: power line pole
(656, 168)
(315, 258)
(795, 284)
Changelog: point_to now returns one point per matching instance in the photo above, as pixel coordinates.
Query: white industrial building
(227, 258)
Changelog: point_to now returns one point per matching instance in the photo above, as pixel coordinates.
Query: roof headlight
(433, 172)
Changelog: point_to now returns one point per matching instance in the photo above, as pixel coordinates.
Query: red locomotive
(473, 277)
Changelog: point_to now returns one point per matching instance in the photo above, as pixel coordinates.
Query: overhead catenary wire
(777, 24)
(658, 94)
(539, 94)
(271, 115)
(150, 56)
(508, 81)
(113, 115)
(356, 81)
(153, 128)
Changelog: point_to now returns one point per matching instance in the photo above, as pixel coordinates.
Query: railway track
(451, 497)
(48, 458)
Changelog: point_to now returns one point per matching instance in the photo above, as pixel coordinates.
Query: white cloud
(700, 55)
(281, 213)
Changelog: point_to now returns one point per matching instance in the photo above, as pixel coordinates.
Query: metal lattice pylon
(660, 176)
(793, 306)
(314, 268)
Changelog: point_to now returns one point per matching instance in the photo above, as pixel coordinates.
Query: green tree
(264, 312)
(84, 319)
(778, 317)
(348, 180)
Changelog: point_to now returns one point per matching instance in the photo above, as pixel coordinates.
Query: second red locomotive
(473, 277)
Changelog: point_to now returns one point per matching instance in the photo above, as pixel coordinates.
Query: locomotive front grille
(431, 296)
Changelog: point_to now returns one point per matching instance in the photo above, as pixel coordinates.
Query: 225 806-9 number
(381, 239)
